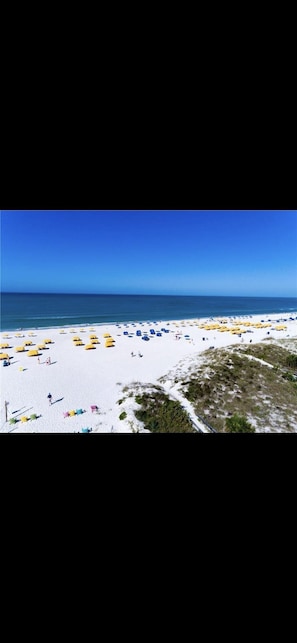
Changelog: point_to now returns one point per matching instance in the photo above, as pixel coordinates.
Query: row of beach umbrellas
(109, 341)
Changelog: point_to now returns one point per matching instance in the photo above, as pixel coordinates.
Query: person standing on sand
(50, 398)
(38, 360)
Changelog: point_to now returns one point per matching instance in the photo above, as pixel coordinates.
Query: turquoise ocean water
(30, 311)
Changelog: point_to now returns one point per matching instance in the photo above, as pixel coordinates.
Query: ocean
(29, 311)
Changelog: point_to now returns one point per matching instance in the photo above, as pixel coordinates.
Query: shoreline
(282, 317)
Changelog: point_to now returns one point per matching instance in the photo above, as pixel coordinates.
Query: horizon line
(16, 292)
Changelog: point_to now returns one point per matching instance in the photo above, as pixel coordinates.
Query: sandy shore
(79, 378)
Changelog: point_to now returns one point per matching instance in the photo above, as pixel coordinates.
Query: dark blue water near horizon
(43, 310)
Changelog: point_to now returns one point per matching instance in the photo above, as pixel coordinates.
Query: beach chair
(66, 414)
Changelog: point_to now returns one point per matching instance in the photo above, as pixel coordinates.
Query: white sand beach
(78, 378)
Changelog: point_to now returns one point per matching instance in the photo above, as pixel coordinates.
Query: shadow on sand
(18, 411)
(55, 402)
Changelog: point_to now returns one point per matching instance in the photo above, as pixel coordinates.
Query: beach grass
(160, 414)
(228, 383)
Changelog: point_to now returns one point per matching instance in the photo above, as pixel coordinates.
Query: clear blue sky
(150, 252)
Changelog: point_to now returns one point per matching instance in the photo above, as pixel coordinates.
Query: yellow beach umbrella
(4, 345)
(33, 353)
(4, 356)
(89, 346)
(19, 349)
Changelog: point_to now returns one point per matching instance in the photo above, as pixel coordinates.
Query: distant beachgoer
(49, 361)
(38, 360)
(50, 398)
(132, 354)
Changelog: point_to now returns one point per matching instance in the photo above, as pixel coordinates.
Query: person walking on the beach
(38, 360)
(50, 398)
(49, 361)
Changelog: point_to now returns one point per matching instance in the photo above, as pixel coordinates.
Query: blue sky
(247, 253)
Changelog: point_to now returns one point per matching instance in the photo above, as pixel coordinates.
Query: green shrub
(289, 377)
(292, 360)
(138, 399)
(162, 415)
(238, 424)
